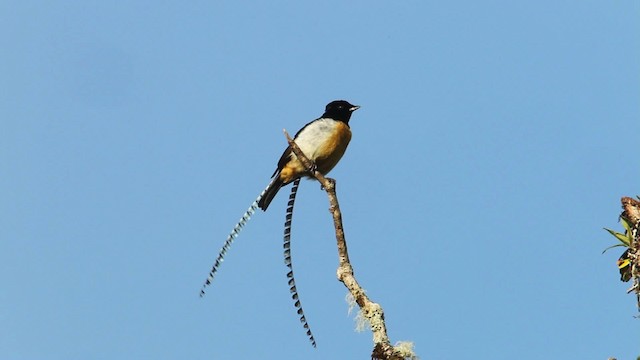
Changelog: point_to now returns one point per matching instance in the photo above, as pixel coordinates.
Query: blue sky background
(493, 144)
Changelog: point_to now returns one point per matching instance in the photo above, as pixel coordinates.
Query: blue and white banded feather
(232, 236)
(287, 261)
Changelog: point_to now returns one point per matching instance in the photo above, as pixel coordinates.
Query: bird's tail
(232, 236)
(270, 192)
(287, 261)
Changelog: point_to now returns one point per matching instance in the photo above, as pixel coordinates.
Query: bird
(323, 140)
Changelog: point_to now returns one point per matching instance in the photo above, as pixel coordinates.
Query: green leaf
(611, 247)
(622, 237)
(625, 224)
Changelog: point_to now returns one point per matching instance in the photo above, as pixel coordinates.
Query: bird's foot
(314, 167)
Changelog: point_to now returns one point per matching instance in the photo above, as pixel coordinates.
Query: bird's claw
(314, 167)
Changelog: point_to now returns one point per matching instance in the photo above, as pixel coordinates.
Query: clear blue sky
(494, 141)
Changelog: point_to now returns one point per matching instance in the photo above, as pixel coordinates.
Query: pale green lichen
(405, 349)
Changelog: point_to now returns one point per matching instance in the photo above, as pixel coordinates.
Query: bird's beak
(354, 108)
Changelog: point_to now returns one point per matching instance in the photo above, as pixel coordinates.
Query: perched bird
(323, 141)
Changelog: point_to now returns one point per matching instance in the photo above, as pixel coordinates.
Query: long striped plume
(287, 260)
(232, 236)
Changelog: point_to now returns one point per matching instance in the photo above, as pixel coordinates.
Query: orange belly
(326, 156)
(331, 151)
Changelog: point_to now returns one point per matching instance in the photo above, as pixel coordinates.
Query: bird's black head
(339, 110)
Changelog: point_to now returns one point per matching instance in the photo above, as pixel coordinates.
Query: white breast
(313, 136)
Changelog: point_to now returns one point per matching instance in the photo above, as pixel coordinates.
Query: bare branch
(371, 311)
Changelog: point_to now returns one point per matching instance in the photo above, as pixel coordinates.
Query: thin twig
(371, 310)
